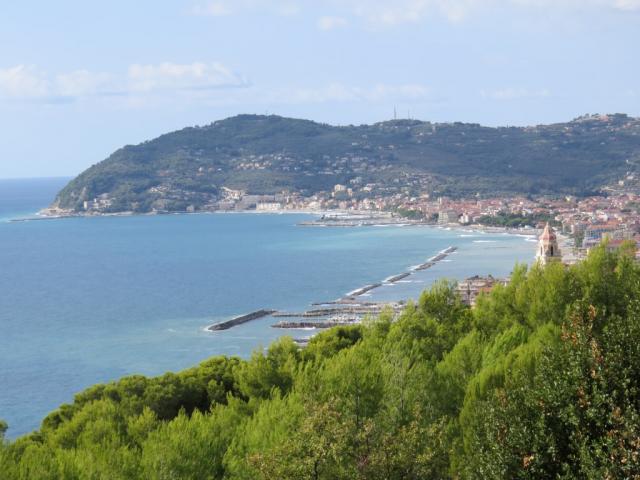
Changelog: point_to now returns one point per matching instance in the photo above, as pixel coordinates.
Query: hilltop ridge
(195, 168)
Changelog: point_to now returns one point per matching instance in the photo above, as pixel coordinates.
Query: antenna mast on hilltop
(395, 114)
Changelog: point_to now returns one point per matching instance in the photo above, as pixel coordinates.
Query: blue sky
(79, 79)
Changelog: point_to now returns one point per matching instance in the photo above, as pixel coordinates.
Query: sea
(89, 300)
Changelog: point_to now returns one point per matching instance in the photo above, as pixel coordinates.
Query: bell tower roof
(548, 234)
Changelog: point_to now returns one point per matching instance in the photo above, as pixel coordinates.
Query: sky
(79, 79)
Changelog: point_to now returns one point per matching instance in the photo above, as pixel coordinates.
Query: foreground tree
(540, 380)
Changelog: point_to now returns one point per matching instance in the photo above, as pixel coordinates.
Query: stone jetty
(365, 289)
(344, 311)
(352, 296)
(240, 320)
(396, 278)
(433, 260)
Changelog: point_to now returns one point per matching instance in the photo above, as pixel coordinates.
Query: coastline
(166, 340)
(336, 218)
(376, 219)
(352, 308)
(347, 219)
(37, 216)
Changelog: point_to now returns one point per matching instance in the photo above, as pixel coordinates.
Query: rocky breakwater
(433, 260)
(240, 320)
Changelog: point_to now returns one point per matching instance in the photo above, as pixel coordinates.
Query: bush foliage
(540, 380)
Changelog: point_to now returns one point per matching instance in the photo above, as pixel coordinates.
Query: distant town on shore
(581, 176)
(251, 161)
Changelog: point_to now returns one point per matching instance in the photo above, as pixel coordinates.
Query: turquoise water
(87, 300)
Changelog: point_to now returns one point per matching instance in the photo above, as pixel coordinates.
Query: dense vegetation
(514, 220)
(271, 154)
(540, 380)
(411, 214)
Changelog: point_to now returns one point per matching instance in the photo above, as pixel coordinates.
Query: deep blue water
(87, 300)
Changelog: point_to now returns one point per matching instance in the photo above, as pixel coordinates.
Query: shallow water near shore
(87, 300)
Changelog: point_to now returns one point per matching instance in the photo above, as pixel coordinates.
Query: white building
(268, 206)
(447, 216)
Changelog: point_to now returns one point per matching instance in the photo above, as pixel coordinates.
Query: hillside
(270, 155)
(541, 380)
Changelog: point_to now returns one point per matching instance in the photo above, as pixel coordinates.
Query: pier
(314, 325)
(355, 309)
(240, 320)
(348, 310)
(336, 316)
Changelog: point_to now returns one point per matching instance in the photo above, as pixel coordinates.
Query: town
(586, 221)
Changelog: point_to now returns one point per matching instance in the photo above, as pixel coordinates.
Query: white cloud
(82, 83)
(337, 92)
(212, 9)
(147, 84)
(385, 13)
(575, 4)
(193, 76)
(400, 92)
(334, 93)
(628, 5)
(23, 81)
(331, 23)
(218, 8)
(30, 83)
(288, 8)
(512, 93)
(329, 93)
(381, 13)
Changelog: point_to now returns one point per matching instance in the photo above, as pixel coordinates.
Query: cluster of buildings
(580, 223)
(547, 251)
(470, 288)
(100, 203)
(588, 221)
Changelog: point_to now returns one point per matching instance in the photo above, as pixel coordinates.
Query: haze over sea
(88, 300)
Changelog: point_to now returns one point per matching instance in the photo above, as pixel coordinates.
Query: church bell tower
(548, 250)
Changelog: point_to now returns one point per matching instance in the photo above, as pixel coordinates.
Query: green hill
(541, 380)
(271, 154)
